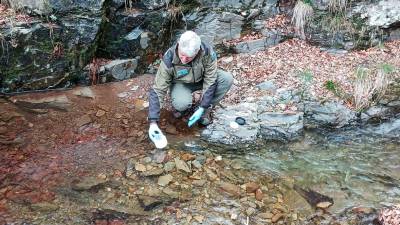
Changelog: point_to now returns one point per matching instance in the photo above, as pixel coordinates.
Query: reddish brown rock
(259, 195)
(252, 187)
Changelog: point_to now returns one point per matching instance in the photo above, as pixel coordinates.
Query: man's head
(188, 46)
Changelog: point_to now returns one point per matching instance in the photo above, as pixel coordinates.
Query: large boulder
(224, 131)
(360, 25)
(38, 53)
(328, 115)
(281, 126)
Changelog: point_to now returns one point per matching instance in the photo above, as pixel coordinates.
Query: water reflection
(351, 168)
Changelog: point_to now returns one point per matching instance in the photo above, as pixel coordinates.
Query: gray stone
(88, 183)
(169, 166)
(220, 131)
(281, 126)
(387, 129)
(376, 112)
(84, 92)
(328, 115)
(253, 46)
(267, 86)
(153, 172)
(165, 180)
(181, 165)
(380, 14)
(215, 27)
(144, 40)
(122, 68)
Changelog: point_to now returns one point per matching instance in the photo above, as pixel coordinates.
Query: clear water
(353, 170)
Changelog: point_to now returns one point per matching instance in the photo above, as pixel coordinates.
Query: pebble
(266, 215)
(169, 166)
(252, 187)
(165, 180)
(199, 218)
(181, 165)
(140, 167)
(250, 211)
(100, 113)
(259, 195)
(277, 217)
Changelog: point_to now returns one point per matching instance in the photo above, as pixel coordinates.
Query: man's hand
(196, 116)
(156, 136)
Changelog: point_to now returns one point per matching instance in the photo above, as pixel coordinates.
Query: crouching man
(188, 66)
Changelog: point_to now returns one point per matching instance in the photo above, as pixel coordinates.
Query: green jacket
(203, 69)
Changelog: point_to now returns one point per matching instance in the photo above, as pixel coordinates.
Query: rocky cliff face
(53, 45)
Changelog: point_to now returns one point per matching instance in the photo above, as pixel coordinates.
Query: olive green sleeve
(209, 79)
(160, 88)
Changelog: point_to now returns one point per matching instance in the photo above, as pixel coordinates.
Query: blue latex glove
(196, 116)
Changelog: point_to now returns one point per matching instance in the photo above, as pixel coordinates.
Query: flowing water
(352, 169)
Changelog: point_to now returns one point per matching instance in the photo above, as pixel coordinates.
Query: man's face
(184, 58)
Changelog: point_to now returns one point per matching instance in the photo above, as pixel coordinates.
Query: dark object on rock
(148, 203)
(240, 120)
(389, 216)
(315, 199)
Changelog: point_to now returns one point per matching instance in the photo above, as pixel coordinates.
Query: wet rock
(259, 195)
(378, 112)
(3, 130)
(84, 92)
(390, 128)
(188, 157)
(324, 205)
(181, 165)
(88, 183)
(165, 180)
(85, 119)
(153, 172)
(148, 203)
(250, 211)
(281, 126)
(170, 129)
(211, 175)
(277, 217)
(251, 187)
(327, 115)
(45, 207)
(140, 167)
(231, 189)
(121, 69)
(159, 156)
(169, 166)
(196, 164)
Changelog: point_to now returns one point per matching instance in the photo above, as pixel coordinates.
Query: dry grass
(371, 84)
(302, 13)
(337, 5)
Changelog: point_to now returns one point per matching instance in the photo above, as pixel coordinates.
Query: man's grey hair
(189, 43)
